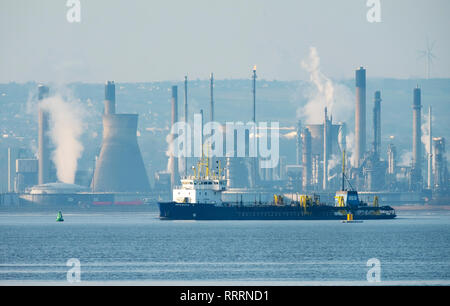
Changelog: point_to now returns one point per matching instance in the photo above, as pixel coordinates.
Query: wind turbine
(428, 55)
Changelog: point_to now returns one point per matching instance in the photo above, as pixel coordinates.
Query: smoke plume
(66, 128)
(350, 141)
(405, 159)
(323, 93)
(169, 152)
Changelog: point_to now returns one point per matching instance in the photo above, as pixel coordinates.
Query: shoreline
(419, 207)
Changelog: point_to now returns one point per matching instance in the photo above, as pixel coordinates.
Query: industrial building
(120, 176)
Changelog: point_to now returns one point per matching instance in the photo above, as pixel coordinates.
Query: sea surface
(136, 248)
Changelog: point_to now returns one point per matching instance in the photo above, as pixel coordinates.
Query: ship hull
(186, 211)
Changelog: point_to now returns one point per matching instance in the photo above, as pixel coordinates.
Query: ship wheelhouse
(347, 199)
(206, 190)
(204, 187)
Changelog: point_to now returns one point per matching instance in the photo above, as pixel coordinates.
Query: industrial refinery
(120, 175)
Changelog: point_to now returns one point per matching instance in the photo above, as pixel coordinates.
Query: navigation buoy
(59, 217)
(350, 219)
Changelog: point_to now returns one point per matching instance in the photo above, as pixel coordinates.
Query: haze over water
(138, 248)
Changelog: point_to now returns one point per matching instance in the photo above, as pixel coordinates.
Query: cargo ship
(200, 198)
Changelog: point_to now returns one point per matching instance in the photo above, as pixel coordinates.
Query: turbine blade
(421, 55)
(432, 45)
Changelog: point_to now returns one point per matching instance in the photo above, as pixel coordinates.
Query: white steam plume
(425, 132)
(350, 141)
(324, 93)
(66, 128)
(406, 159)
(169, 152)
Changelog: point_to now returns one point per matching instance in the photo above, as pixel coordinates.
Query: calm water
(137, 247)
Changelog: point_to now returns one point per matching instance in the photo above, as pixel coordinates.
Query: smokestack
(326, 150)
(211, 86)
(360, 115)
(174, 175)
(254, 94)
(110, 98)
(120, 167)
(377, 125)
(417, 143)
(253, 161)
(306, 159)
(43, 139)
(430, 151)
(299, 143)
(392, 157)
(185, 121)
(202, 123)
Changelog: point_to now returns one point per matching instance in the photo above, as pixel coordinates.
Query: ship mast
(343, 170)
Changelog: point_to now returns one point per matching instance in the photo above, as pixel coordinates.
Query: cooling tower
(43, 139)
(120, 167)
(360, 116)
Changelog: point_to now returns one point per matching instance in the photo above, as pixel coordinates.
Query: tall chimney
(430, 151)
(377, 125)
(43, 139)
(325, 151)
(185, 121)
(417, 144)
(360, 115)
(306, 159)
(110, 98)
(201, 126)
(254, 94)
(392, 158)
(211, 86)
(174, 175)
(254, 162)
(299, 143)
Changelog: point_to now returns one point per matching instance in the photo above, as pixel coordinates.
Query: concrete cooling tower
(120, 167)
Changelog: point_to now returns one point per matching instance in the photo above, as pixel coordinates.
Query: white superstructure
(206, 190)
(203, 187)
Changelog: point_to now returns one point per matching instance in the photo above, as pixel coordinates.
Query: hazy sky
(154, 40)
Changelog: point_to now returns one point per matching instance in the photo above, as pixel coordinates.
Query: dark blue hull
(185, 211)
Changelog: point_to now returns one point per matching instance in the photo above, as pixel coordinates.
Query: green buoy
(59, 218)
